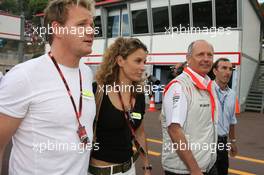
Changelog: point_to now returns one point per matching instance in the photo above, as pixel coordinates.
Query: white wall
(251, 31)
(98, 47)
(247, 68)
(10, 26)
(175, 45)
(97, 52)
(250, 47)
(222, 41)
(171, 48)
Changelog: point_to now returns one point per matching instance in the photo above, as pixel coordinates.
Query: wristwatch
(149, 167)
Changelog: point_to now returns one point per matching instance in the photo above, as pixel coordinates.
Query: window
(140, 21)
(125, 25)
(113, 24)
(226, 13)
(180, 16)
(139, 15)
(202, 13)
(98, 25)
(118, 23)
(160, 17)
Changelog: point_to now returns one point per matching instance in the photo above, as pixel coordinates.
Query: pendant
(83, 135)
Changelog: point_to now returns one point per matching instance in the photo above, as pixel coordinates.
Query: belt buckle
(126, 166)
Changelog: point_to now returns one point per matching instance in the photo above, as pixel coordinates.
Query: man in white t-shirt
(46, 104)
(190, 116)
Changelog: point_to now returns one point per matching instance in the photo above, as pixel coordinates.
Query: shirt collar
(204, 80)
(219, 89)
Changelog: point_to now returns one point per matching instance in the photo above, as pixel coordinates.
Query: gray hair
(190, 47)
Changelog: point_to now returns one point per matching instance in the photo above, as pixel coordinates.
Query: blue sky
(260, 1)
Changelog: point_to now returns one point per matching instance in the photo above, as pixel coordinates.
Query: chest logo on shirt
(204, 105)
(87, 94)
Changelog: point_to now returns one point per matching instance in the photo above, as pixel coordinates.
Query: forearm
(145, 158)
(142, 140)
(177, 137)
(2, 150)
(8, 126)
(232, 132)
(232, 138)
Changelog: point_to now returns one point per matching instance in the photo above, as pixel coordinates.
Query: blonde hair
(57, 10)
(109, 69)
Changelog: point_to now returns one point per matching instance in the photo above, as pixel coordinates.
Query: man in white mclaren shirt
(46, 104)
(190, 116)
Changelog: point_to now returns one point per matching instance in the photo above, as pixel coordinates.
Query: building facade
(167, 27)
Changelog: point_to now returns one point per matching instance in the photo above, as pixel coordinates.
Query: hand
(233, 150)
(147, 172)
(197, 172)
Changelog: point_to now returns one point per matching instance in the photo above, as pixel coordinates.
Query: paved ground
(250, 134)
(250, 137)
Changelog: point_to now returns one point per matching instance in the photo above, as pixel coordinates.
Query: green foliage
(29, 7)
(10, 6)
(262, 6)
(37, 6)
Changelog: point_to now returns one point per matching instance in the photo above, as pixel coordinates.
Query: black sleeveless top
(113, 134)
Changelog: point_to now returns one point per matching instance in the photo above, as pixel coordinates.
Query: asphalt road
(250, 142)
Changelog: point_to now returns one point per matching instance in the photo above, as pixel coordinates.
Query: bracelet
(233, 140)
(149, 167)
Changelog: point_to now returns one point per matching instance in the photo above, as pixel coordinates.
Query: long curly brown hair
(108, 71)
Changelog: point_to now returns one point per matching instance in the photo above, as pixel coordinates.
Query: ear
(56, 29)
(214, 70)
(120, 61)
(188, 60)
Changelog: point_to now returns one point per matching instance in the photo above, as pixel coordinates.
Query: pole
(22, 31)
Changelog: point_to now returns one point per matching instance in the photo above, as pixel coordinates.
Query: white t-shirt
(175, 102)
(47, 142)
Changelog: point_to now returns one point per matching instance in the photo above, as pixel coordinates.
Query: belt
(222, 138)
(120, 168)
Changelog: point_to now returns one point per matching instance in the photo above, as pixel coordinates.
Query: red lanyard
(122, 103)
(128, 120)
(127, 113)
(78, 114)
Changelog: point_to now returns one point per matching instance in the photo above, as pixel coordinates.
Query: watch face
(147, 167)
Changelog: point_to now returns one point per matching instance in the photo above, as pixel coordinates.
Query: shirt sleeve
(15, 93)
(233, 119)
(175, 105)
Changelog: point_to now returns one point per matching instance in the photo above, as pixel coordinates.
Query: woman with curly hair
(118, 124)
